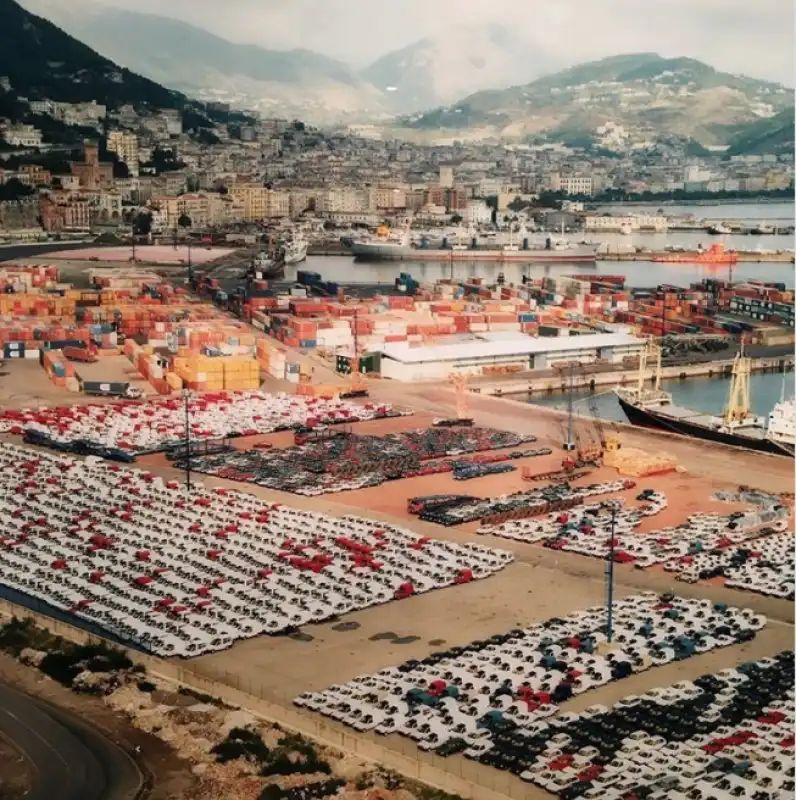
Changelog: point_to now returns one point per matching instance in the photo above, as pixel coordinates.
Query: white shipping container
(31, 354)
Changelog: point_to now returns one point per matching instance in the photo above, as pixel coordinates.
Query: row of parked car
(182, 573)
(728, 735)
(465, 699)
(764, 565)
(706, 545)
(149, 425)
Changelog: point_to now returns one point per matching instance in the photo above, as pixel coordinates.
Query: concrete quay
(528, 383)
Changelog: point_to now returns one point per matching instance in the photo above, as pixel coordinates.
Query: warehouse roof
(526, 345)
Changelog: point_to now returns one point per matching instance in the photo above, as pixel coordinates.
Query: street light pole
(185, 396)
(569, 445)
(610, 572)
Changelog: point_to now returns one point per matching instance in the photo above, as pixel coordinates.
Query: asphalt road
(69, 759)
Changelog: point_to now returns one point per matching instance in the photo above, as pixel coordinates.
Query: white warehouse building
(402, 362)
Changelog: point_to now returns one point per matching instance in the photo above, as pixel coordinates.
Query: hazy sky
(755, 37)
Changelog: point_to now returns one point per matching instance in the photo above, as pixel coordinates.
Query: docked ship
(716, 254)
(263, 267)
(387, 245)
(651, 407)
(294, 249)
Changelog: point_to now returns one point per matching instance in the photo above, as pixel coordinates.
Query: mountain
(772, 135)
(285, 83)
(440, 69)
(41, 61)
(648, 95)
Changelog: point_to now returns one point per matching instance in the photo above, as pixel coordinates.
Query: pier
(557, 383)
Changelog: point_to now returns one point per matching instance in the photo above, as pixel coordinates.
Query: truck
(118, 389)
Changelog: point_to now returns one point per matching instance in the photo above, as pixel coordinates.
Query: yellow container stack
(215, 374)
(241, 373)
(214, 369)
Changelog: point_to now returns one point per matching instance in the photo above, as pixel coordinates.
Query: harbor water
(639, 274)
(707, 395)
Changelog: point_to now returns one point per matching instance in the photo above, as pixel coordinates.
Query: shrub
(146, 686)
(241, 743)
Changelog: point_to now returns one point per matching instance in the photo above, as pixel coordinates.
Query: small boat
(719, 230)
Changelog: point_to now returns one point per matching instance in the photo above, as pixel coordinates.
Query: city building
(64, 211)
(572, 184)
(628, 222)
(91, 173)
(125, 146)
(346, 199)
(446, 177)
(477, 213)
(22, 135)
(390, 198)
(260, 203)
(34, 175)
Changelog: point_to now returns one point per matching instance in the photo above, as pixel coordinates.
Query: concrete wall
(456, 775)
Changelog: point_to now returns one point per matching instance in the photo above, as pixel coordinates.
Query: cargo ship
(737, 427)
(388, 245)
(715, 255)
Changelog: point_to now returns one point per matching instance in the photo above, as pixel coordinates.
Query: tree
(456, 219)
(517, 204)
(14, 189)
(549, 199)
(142, 224)
(184, 221)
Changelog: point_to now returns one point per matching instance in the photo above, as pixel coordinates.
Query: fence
(455, 775)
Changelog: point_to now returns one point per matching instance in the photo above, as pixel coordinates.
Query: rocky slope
(647, 94)
(286, 83)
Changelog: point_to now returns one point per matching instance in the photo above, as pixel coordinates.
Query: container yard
(419, 576)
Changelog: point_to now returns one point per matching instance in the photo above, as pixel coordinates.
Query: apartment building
(125, 145)
(572, 184)
(346, 199)
(65, 211)
(34, 175)
(389, 198)
(260, 203)
(22, 136)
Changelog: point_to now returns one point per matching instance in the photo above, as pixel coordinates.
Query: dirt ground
(145, 254)
(15, 778)
(171, 777)
(113, 369)
(24, 384)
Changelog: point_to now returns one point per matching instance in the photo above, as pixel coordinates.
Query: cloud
(756, 39)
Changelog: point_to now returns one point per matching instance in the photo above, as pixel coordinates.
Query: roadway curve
(69, 759)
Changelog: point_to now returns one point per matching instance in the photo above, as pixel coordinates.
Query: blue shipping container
(306, 344)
